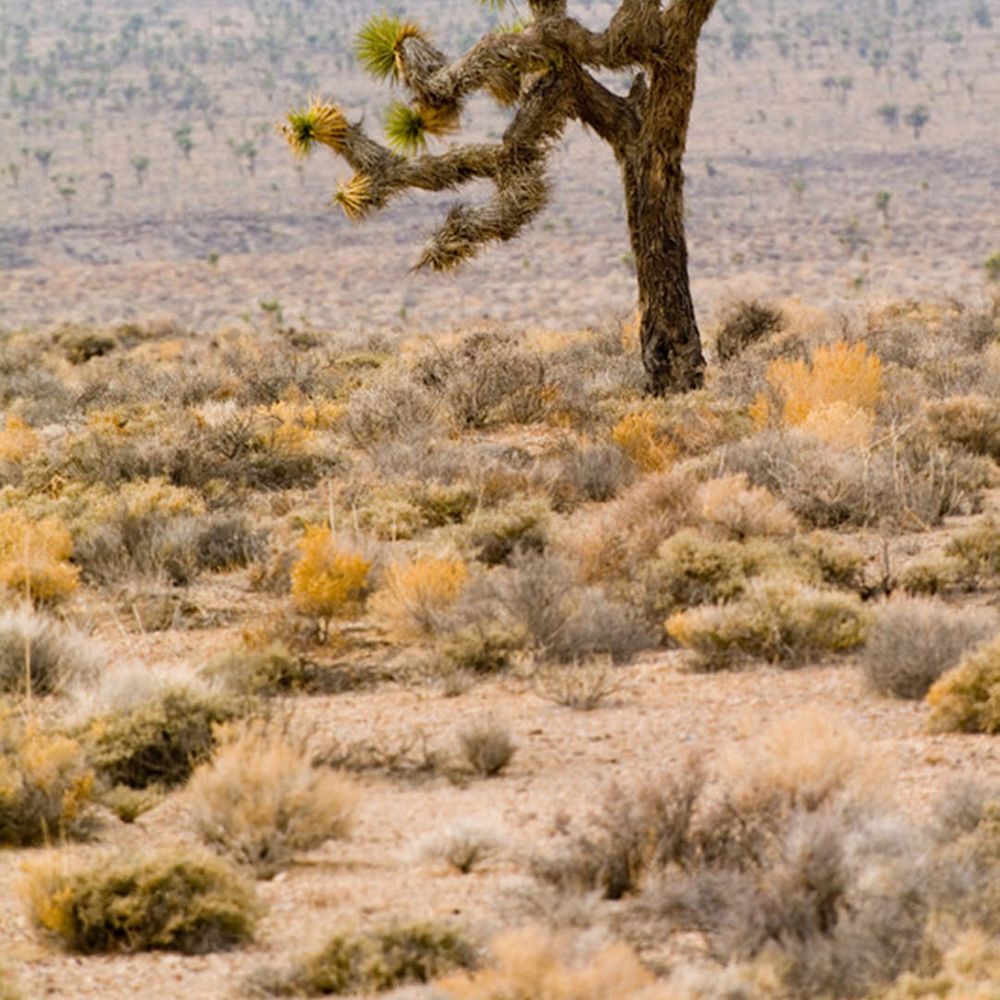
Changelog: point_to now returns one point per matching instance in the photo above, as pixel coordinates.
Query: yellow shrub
(416, 594)
(328, 581)
(841, 374)
(970, 970)
(637, 435)
(840, 425)
(157, 496)
(17, 441)
(45, 783)
(34, 558)
(533, 962)
(966, 699)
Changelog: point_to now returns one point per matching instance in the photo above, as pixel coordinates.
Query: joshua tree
(544, 69)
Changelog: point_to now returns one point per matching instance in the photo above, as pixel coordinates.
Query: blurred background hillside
(839, 147)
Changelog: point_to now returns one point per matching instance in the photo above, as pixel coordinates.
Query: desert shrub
(971, 422)
(966, 699)
(390, 407)
(596, 472)
(538, 597)
(610, 544)
(81, 343)
(912, 642)
(535, 962)
(17, 440)
(835, 562)
(481, 647)
(485, 747)
(34, 558)
(378, 960)
(260, 801)
(976, 555)
(128, 804)
(57, 655)
(929, 576)
(908, 484)
(691, 569)
(171, 901)
(415, 597)
(45, 785)
(328, 581)
(580, 686)
(731, 505)
(487, 379)
(638, 434)
(743, 324)
(779, 621)
(267, 671)
(843, 376)
(519, 526)
(969, 970)
(158, 740)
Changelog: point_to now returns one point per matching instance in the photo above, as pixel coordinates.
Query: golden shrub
(415, 595)
(970, 970)
(17, 441)
(535, 962)
(34, 558)
(637, 434)
(842, 374)
(328, 581)
(45, 783)
(967, 698)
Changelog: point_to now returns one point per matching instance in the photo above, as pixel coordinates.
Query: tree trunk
(653, 179)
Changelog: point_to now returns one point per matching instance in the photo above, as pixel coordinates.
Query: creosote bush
(779, 621)
(45, 785)
(967, 698)
(260, 800)
(912, 642)
(186, 902)
(378, 960)
(160, 739)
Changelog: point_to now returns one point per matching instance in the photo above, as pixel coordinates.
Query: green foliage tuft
(377, 42)
(405, 128)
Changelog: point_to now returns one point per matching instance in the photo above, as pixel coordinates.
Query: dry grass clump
(158, 739)
(328, 581)
(975, 555)
(45, 784)
(186, 902)
(376, 960)
(778, 620)
(415, 597)
(580, 686)
(912, 642)
(390, 407)
(966, 699)
(34, 559)
(971, 422)
(537, 962)
(261, 801)
(462, 846)
(597, 472)
(744, 324)
(485, 747)
(37, 650)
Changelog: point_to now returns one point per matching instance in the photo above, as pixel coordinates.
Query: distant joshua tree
(543, 68)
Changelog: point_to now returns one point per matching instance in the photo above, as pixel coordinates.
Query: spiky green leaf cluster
(377, 43)
(405, 128)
